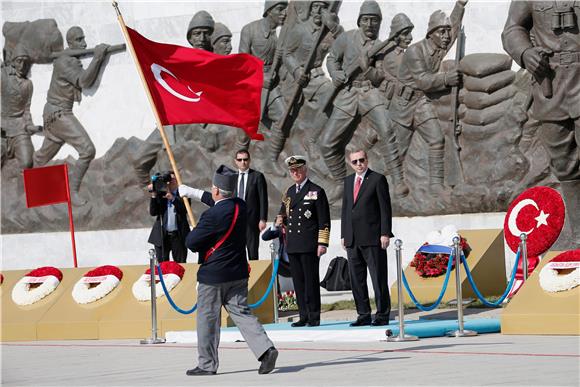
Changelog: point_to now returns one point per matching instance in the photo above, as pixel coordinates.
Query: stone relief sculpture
(371, 95)
(60, 124)
(259, 39)
(17, 125)
(360, 99)
(543, 38)
(421, 80)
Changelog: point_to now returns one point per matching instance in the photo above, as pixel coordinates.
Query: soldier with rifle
(307, 44)
(352, 62)
(259, 39)
(60, 124)
(421, 82)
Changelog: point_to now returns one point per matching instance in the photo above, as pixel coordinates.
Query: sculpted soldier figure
(420, 81)
(552, 56)
(199, 34)
(17, 125)
(221, 39)
(60, 124)
(259, 39)
(361, 99)
(300, 42)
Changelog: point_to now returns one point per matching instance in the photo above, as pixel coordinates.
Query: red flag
(195, 86)
(46, 185)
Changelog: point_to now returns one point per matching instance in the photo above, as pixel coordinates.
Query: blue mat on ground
(420, 328)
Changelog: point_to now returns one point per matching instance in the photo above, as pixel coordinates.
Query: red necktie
(357, 185)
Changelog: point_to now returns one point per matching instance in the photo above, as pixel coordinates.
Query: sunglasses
(242, 160)
(356, 161)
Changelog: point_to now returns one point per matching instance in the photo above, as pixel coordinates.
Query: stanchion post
(524, 254)
(459, 332)
(402, 336)
(275, 288)
(154, 339)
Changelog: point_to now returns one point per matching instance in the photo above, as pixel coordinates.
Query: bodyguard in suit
(173, 217)
(365, 232)
(251, 186)
(307, 239)
(220, 236)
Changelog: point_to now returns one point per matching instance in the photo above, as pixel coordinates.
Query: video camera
(160, 182)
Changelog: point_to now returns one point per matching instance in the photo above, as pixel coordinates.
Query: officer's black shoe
(313, 323)
(299, 323)
(379, 322)
(361, 322)
(199, 372)
(268, 360)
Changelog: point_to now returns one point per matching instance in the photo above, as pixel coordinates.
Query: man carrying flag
(196, 86)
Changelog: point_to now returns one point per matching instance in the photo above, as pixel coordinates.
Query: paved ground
(490, 359)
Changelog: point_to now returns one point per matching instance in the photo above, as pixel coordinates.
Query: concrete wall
(118, 107)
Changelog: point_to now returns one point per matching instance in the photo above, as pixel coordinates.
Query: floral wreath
(562, 273)
(172, 275)
(36, 285)
(96, 284)
(432, 258)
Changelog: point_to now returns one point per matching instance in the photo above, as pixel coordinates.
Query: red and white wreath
(96, 284)
(36, 285)
(432, 258)
(172, 275)
(562, 273)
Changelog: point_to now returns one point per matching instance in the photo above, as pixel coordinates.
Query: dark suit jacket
(256, 197)
(364, 221)
(228, 262)
(158, 206)
(308, 219)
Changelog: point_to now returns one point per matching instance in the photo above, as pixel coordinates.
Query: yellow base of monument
(486, 262)
(118, 315)
(533, 311)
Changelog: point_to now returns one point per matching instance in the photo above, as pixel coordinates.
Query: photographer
(171, 227)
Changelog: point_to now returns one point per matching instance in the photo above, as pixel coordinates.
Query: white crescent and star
(157, 70)
(541, 219)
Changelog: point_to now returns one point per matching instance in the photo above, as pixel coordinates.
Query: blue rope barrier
(270, 285)
(194, 307)
(443, 289)
(177, 308)
(476, 290)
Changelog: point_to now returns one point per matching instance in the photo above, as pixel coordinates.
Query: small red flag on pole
(45, 186)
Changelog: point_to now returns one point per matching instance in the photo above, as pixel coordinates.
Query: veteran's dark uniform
(308, 228)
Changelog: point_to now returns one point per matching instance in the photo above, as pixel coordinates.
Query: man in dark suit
(251, 186)
(307, 239)
(171, 227)
(365, 233)
(220, 237)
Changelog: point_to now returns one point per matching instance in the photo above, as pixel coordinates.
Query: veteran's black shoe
(379, 322)
(299, 323)
(199, 372)
(268, 360)
(313, 323)
(361, 322)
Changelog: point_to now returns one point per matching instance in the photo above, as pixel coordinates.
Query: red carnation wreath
(434, 265)
(36, 285)
(172, 274)
(562, 273)
(96, 284)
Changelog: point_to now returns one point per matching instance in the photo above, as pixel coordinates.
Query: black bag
(337, 276)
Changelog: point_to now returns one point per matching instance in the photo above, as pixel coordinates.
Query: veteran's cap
(295, 161)
(225, 178)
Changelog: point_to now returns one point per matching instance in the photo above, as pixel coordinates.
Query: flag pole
(70, 216)
(154, 108)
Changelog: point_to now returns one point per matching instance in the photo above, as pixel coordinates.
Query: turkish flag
(189, 85)
(46, 185)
